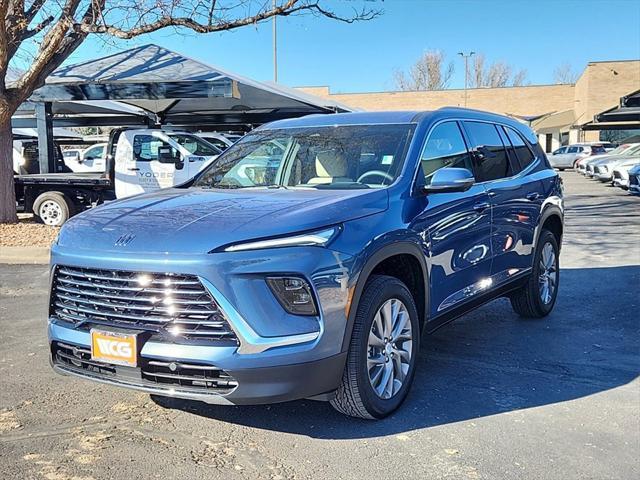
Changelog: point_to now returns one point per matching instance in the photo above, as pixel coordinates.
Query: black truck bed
(70, 179)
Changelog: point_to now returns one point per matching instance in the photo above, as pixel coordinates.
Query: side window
(560, 151)
(490, 156)
(523, 153)
(145, 148)
(94, 152)
(573, 150)
(445, 148)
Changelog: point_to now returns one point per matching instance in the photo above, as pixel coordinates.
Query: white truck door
(148, 160)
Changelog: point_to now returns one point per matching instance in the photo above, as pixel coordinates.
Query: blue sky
(534, 35)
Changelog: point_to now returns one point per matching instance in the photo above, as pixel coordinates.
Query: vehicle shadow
(489, 362)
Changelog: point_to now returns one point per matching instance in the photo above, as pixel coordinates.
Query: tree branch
(290, 7)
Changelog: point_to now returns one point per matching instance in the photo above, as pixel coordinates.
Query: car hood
(197, 221)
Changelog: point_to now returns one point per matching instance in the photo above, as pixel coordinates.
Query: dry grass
(27, 233)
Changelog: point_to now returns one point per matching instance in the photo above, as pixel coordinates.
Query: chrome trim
(459, 120)
(483, 285)
(250, 341)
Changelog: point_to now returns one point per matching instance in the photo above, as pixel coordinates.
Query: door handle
(481, 207)
(134, 169)
(533, 196)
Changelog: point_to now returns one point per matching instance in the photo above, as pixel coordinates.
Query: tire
(528, 300)
(356, 395)
(53, 208)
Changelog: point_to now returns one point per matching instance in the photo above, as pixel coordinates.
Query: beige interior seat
(331, 167)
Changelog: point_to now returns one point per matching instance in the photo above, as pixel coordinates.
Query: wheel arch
(402, 260)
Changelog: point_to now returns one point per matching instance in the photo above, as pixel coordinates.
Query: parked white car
(620, 174)
(91, 159)
(603, 169)
(584, 162)
(634, 180)
(220, 140)
(568, 157)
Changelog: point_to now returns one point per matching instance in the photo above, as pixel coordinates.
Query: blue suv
(309, 259)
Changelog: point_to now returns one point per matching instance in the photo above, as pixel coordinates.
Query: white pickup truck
(137, 161)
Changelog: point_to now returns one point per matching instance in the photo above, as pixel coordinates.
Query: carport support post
(46, 149)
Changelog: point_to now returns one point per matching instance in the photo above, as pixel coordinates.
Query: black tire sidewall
(385, 289)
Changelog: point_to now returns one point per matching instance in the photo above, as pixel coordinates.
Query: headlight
(319, 238)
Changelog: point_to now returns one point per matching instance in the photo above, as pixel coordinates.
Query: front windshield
(195, 145)
(344, 157)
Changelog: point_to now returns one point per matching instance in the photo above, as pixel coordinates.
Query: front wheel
(382, 352)
(538, 296)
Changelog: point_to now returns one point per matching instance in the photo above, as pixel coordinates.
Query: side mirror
(450, 179)
(168, 155)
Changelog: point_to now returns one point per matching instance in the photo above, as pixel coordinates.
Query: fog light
(294, 294)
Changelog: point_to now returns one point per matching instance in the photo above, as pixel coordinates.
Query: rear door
(458, 225)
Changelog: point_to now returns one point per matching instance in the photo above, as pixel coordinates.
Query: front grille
(166, 303)
(151, 373)
(617, 174)
(634, 180)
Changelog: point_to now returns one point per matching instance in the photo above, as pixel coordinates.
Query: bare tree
(430, 72)
(496, 74)
(564, 73)
(43, 33)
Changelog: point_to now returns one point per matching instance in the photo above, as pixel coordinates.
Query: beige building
(557, 112)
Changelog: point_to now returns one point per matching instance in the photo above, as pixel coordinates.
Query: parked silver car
(585, 161)
(620, 174)
(634, 180)
(567, 157)
(603, 169)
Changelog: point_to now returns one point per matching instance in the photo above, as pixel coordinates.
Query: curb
(24, 255)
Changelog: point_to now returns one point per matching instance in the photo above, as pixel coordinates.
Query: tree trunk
(7, 190)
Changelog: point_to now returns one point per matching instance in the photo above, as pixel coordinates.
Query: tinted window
(573, 150)
(560, 151)
(522, 152)
(94, 152)
(445, 148)
(490, 156)
(598, 149)
(195, 145)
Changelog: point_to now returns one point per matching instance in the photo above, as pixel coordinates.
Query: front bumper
(251, 386)
(279, 357)
(603, 176)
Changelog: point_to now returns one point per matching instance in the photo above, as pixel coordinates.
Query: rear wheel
(382, 352)
(538, 296)
(52, 208)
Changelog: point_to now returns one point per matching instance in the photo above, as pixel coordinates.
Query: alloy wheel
(389, 348)
(548, 278)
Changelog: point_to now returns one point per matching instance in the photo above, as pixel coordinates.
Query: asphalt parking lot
(494, 396)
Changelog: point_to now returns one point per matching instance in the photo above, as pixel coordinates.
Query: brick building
(557, 112)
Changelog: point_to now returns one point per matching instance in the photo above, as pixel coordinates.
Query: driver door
(151, 173)
(457, 225)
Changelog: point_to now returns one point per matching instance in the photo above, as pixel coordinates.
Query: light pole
(466, 57)
(275, 46)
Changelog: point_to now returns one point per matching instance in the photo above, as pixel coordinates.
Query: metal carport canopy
(178, 90)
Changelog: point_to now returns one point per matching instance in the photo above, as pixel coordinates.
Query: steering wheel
(379, 173)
